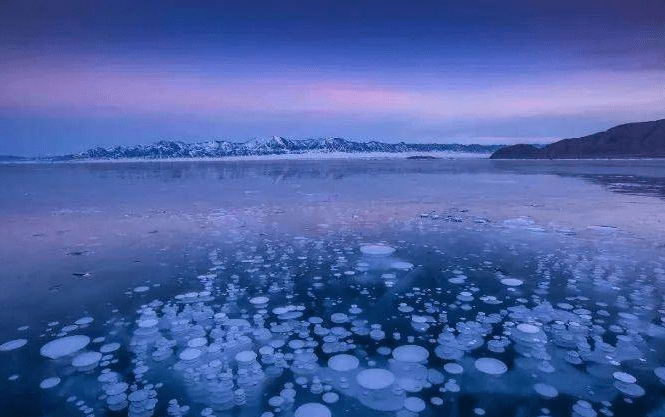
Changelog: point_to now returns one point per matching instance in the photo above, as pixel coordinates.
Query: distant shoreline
(353, 157)
(309, 156)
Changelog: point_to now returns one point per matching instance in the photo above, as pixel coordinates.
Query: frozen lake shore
(339, 287)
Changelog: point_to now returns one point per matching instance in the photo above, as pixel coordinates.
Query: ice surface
(290, 311)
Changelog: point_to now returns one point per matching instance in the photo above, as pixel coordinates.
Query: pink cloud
(101, 90)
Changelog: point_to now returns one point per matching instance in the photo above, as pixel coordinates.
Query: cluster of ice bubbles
(234, 347)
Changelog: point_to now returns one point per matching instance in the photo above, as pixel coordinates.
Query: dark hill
(632, 140)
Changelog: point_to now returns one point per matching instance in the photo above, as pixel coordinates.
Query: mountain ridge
(628, 140)
(276, 145)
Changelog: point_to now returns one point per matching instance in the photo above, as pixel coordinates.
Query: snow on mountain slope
(275, 145)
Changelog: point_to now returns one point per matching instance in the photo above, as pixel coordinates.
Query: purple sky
(73, 76)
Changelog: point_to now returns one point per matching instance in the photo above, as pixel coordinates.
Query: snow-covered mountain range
(268, 146)
(263, 146)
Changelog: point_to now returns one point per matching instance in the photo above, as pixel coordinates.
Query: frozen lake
(333, 288)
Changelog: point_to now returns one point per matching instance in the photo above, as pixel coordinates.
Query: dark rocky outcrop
(517, 152)
(632, 140)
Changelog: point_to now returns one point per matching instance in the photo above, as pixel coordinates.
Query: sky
(78, 74)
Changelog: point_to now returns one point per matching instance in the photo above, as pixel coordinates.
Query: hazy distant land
(631, 140)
